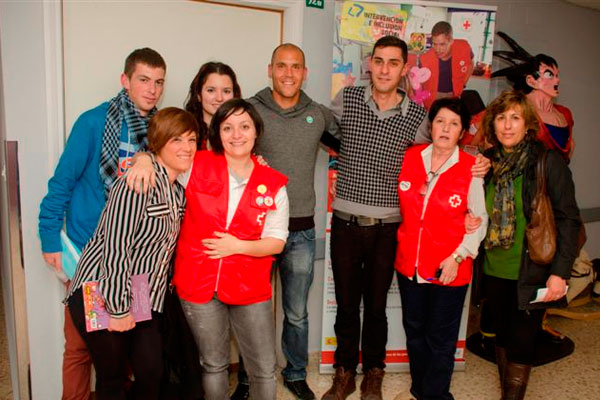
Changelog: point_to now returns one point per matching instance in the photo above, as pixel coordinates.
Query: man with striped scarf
(98, 151)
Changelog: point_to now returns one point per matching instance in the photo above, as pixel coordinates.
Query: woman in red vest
(235, 221)
(435, 254)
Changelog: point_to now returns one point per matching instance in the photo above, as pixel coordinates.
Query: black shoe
(299, 389)
(242, 392)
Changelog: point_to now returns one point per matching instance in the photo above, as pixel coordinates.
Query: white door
(99, 35)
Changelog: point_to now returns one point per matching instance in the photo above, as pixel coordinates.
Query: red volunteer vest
(424, 244)
(237, 279)
(545, 137)
(461, 64)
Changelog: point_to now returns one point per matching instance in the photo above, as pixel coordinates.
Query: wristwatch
(458, 258)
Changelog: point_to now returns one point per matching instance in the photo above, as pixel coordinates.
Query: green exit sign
(315, 3)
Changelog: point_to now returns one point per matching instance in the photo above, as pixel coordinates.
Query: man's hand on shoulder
(261, 160)
(141, 174)
(481, 167)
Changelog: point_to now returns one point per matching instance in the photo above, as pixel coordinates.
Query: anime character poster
(466, 53)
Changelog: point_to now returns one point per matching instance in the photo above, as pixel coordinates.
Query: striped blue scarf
(120, 108)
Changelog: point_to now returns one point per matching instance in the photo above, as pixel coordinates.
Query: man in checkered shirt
(377, 123)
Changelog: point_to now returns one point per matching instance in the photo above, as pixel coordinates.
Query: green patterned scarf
(506, 167)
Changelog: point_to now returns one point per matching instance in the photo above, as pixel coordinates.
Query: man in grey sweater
(294, 124)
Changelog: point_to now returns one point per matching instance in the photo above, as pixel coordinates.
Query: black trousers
(362, 259)
(111, 352)
(515, 329)
(431, 318)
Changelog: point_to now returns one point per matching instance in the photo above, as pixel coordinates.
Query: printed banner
(366, 22)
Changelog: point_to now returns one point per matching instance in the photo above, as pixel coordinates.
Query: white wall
(181, 33)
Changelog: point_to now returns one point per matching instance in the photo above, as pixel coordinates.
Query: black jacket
(561, 190)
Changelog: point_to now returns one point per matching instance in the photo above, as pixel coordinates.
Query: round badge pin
(268, 201)
(260, 200)
(310, 119)
(404, 186)
(262, 189)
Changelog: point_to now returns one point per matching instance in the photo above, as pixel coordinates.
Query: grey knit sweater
(290, 143)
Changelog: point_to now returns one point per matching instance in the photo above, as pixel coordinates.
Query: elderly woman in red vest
(235, 220)
(435, 254)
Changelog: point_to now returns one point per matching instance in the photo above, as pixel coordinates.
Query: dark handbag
(541, 230)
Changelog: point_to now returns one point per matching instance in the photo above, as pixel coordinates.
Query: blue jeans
(254, 329)
(431, 318)
(296, 268)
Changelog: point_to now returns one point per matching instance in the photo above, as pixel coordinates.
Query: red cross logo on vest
(260, 218)
(454, 201)
(466, 25)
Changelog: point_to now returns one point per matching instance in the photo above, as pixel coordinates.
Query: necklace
(431, 175)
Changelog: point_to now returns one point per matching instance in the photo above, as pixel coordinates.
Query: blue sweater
(76, 188)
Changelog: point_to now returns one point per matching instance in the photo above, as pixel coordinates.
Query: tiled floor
(576, 377)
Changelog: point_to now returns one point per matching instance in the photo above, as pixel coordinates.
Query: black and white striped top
(136, 235)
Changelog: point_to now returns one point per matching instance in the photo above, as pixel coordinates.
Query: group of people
(197, 186)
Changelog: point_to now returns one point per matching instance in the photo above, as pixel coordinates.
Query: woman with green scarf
(511, 279)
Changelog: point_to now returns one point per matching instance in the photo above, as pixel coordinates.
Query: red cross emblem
(454, 201)
(466, 25)
(261, 218)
